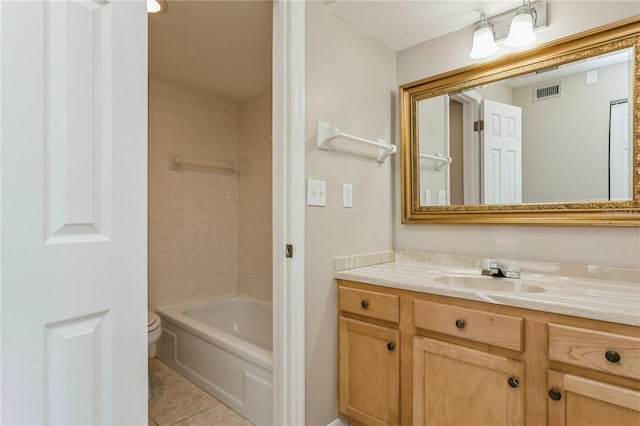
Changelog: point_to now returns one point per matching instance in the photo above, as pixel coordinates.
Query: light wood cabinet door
(369, 372)
(577, 401)
(454, 385)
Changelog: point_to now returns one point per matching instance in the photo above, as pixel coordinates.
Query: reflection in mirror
(553, 136)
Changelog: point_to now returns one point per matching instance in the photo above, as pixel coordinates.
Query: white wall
(604, 246)
(350, 81)
(565, 140)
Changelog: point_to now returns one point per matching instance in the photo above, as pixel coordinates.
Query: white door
(619, 158)
(501, 153)
(73, 170)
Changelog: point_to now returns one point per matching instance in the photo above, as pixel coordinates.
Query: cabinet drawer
(595, 350)
(494, 329)
(369, 303)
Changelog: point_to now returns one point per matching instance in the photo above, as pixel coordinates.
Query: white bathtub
(223, 345)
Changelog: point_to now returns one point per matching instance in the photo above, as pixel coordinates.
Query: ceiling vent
(547, 91)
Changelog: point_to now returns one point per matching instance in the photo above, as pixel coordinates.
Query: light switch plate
(347, 195)
(316, 192)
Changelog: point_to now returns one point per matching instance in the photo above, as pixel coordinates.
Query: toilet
(154, 330)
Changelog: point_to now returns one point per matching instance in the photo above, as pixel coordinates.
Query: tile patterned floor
(176, 401)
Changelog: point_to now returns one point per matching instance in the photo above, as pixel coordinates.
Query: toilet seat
(153, 321)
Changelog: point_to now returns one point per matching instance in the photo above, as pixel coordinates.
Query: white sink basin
(489, 283)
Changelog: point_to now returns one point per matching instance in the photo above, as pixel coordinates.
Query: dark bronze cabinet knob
(460, 323)
(391, 346)
(555, 394)
(513, 382)
(364, 304)
(612, 356)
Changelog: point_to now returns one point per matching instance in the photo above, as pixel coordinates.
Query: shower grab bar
(178, 162)
(441, 160)
(326, 133)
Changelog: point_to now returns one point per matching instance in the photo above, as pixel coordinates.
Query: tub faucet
(496, 269)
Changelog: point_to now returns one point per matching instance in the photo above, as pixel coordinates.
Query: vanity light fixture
(157, 6)
(484, 43)
(521, 28)
(513, 28)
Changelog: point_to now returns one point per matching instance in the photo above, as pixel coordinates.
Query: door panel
(586, 402)
(77, 112)
(73, 176)
(458, 386)
(369, 373)
(501, 153)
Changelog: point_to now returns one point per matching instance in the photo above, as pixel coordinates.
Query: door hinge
(289, 250)
(478, 126)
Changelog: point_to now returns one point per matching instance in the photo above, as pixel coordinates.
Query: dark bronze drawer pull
(555, 394)
(391, 346)
(612, 356)
(364, 304)
(513, 382)
(460, 323)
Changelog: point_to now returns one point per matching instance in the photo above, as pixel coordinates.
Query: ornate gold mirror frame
(595, 42)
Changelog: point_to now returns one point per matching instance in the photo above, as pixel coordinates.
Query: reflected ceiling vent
(547, 91)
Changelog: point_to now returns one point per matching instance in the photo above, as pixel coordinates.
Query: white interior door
(73, 103)
(619, 153)
(501, 153)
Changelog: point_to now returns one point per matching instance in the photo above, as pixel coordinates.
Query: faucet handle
(489, 267)
(513, 270)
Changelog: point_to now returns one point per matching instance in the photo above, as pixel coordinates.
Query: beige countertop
(601, 299)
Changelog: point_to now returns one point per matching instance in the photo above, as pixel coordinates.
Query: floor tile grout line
(193, 415)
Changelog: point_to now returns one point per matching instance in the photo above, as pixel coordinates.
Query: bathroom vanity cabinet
(414, 358)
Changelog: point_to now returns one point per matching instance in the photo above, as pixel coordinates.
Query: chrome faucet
(496, 269)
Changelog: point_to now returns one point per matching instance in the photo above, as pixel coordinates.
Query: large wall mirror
(549, 136)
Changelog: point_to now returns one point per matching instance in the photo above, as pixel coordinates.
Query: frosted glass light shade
(484, 44)
(156, 6)
(521, 31)
(153, 6)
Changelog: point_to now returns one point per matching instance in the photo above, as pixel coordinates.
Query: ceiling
(221, 47)
(224, 47)
(400, 24)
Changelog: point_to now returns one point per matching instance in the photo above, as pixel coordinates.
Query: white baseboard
(338, 422)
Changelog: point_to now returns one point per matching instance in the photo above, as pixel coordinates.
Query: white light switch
(347, 195)
(316, 192)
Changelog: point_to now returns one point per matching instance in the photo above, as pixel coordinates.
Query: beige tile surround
(198, 220)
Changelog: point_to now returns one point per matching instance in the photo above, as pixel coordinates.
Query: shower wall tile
(254, 233)
(193, 216)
